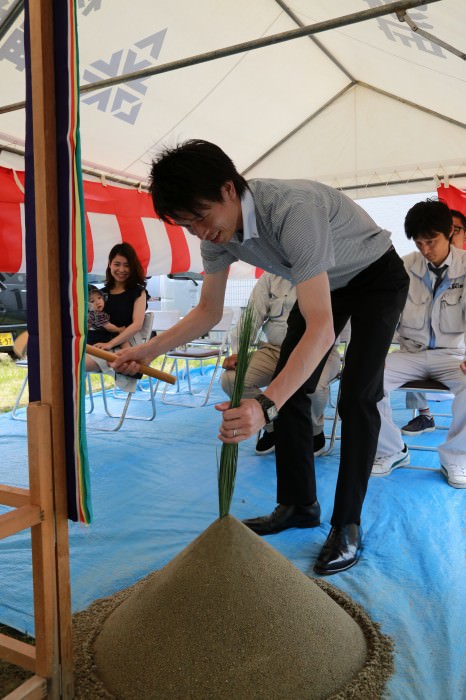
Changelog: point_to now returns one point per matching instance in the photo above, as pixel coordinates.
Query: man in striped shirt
(344, 268)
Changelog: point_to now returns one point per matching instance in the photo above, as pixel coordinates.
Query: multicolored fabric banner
(72, 253)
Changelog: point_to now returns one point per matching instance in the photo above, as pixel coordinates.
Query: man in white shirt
(432, 338)
(424, 421)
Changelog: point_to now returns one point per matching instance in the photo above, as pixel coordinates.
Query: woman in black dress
(126, 301)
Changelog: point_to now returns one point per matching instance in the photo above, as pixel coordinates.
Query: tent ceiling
(362, 104)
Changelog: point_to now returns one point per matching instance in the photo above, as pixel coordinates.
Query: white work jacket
(441, 322)
(272, 299)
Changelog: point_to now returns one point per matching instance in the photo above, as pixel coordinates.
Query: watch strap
(266, 404)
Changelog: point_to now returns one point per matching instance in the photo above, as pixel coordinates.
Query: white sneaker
(455, 475)
(385, 465)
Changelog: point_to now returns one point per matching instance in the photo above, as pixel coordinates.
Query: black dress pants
(372, 301)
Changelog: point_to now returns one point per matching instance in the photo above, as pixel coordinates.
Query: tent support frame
(337, 97)
(262, 42)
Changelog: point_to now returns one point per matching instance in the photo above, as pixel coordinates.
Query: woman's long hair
(136, 277)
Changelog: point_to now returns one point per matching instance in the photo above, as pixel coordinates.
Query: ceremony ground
(154, 490)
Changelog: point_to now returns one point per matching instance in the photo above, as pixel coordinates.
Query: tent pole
(404, 17)
(307, 30)
(334, 99)
(316, 41)
(13, 13)
(48, 291)
(252, 45)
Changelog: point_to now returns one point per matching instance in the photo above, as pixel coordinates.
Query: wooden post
(48, 283)
(34, 688)
(43, 542)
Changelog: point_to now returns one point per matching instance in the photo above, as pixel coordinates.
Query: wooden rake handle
(144, 369)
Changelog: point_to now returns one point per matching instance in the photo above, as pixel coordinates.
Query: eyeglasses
(458, 229)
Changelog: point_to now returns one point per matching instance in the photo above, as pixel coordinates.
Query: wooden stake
(144, 369)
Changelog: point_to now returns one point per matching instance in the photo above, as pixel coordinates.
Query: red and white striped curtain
(113, 214)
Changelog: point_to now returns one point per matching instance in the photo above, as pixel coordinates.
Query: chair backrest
(145, 333)
(163, 320)
(220, 334)
(146, 329)
(226, 321)
(345, 334)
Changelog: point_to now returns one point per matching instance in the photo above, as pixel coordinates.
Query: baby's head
(96, 299)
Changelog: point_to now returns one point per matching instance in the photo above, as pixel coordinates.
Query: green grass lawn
(11, 379)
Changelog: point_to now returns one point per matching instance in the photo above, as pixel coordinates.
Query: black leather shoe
(284, 517)
(341, 550)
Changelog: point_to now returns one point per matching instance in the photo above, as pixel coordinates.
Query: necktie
(438, 272)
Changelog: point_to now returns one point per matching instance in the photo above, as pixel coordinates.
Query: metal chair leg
(18, 399)
(121, 418)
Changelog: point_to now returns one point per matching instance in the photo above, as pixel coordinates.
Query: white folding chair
(161, 321)
(165, 319)
(146, 332)
(343, 339)
(212, 347)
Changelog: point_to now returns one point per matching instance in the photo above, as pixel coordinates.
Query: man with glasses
(458, 238)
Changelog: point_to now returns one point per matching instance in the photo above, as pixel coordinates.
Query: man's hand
(240, 423)
(230, 362)
(463, 366)
(127, 361)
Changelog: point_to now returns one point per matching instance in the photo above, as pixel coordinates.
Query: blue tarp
(154, 490)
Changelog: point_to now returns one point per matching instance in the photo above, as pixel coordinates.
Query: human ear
(228, 190)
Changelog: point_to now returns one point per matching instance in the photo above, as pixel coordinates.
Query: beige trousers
(260, 372)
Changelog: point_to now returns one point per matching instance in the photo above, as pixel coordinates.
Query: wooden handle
(145, 369)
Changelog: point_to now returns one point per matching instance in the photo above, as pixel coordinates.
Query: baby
(100, 330)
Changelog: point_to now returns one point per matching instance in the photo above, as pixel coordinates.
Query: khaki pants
(260, 372)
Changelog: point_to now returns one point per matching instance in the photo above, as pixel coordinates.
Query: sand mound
(229, 617)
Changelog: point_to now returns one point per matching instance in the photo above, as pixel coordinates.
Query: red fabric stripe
(128, 205)
(116, 200)
(181, 259)
(10, 237)
(9, 190)
(89, 245)
(453, 197)
(133, 231)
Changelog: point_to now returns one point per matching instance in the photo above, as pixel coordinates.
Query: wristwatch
(269, 409)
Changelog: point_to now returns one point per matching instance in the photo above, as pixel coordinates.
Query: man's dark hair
(460, 215)
(183, 176)
(426, 219)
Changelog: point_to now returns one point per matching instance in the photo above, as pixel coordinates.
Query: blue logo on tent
(123, 101)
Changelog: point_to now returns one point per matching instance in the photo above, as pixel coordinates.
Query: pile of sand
(229, 617)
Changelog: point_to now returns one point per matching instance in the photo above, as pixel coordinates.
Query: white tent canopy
(373, 106)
